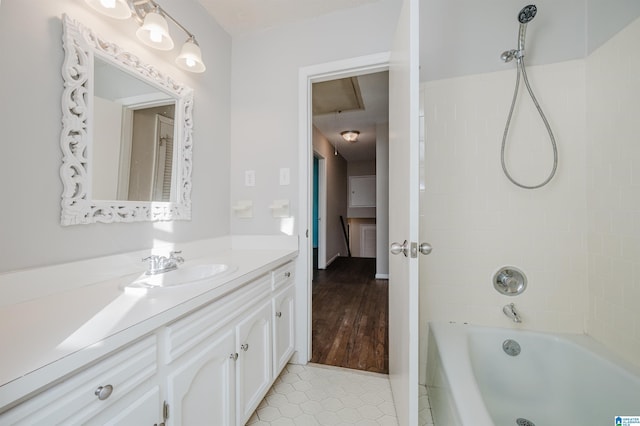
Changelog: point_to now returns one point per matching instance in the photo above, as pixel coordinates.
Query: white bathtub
(556, 379)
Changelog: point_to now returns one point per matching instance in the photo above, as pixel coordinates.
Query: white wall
(30, 114)
(264, 128)
(106, 153)
(613, 188)
(477, 221)
(336, 173)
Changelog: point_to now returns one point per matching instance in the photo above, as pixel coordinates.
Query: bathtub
(556, 379)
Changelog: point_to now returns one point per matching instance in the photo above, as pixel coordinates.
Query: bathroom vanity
(104, 352)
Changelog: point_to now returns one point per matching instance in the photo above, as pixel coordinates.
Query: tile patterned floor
(320, 395)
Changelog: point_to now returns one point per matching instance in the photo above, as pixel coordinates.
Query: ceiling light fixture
(350, 135)
(154, 30)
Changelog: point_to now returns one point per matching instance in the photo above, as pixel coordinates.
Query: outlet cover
(249, 178)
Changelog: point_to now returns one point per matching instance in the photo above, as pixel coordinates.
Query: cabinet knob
(278, 314)
(287, 274)
(234, 356)
(244, 347)
(104, 392)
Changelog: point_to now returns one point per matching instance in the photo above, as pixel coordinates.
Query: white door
(404, 93)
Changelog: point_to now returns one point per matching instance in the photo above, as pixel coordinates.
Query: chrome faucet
(161, 264)
(510, 311)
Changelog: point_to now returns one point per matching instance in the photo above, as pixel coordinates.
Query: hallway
(350, 316)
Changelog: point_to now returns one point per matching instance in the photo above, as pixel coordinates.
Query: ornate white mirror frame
(82, 46)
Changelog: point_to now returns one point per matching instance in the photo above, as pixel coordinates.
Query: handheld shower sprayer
(525, 16)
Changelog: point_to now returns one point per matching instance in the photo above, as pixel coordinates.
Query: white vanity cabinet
(212, 366)
(123, 384)
(222, 359)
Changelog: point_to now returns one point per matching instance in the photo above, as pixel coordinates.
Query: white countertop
(44, 338)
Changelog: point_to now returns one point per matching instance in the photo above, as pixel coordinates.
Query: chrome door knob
(397, 248)
(425, 248)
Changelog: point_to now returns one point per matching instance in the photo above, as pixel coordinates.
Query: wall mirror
(126, 135)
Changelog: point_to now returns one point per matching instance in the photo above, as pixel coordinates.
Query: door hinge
(165, 414)
(307, 233)
(165, 411)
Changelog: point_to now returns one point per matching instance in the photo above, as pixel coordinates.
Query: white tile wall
(613, 196)
(577, 239)
(477, 221)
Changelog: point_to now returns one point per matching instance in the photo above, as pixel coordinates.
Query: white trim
(382, 276)
(333, 258)
(306, 76)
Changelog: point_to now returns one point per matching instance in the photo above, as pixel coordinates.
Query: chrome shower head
(527, 14)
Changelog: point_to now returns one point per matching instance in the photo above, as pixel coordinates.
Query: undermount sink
(178, 277)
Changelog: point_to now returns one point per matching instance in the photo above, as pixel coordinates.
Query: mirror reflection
(133, 154)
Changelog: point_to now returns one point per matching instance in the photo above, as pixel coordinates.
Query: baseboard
(330, 261)
(382, 276)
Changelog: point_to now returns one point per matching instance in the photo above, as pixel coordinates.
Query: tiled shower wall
(478, 222)
(578, 238)
(613, 192)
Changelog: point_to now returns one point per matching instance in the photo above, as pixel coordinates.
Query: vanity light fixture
(118, 9)
(350, 135)
(154, 31)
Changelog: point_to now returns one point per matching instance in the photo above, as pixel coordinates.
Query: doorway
(349, 291)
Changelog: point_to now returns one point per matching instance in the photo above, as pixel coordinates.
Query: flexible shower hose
(521, 70)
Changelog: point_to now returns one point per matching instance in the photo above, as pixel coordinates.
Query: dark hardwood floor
(350, 316)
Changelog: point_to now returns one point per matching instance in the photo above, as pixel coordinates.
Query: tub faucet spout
(511, 312)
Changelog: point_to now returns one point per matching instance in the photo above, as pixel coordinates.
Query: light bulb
(108, 4)
(155, 36)
(190, 62)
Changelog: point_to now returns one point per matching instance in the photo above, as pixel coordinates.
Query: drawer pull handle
(278, 314)
(104, 392)
(287, 274)
(244, 347)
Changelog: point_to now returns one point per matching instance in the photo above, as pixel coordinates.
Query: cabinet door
(201, 387)
(254, 359)
(283, 328)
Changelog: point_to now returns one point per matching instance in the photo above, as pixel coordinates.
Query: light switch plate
(285, 176)
(249, 178)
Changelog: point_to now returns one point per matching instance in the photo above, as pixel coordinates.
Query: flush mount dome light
(154, 31)
(350, 135)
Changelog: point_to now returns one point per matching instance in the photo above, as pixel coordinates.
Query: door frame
(322, 209)
(306, 77)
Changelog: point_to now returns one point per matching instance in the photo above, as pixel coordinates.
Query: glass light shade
(350, 135)
(190, 57)
(118, 9)
(154, 32)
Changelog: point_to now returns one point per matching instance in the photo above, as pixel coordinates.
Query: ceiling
(374, 92)
(242, 16)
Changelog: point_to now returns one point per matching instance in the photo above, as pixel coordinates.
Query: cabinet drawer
(75, 400)
(283, 275)
(191, 330)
